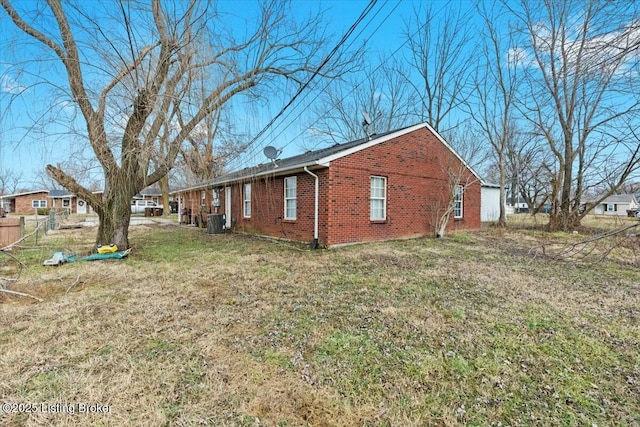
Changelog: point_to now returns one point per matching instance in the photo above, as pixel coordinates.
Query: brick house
(25, 203)
(388, 186)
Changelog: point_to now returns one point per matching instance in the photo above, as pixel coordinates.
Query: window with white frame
(246, 200)
(457, 201)
(378, 199)
(290, 197)
(611, 207)
(38, 203)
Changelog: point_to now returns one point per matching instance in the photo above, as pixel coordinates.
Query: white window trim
(383, 198)
(246, 202)
(459, 191)
(33, 204)
(293, 179)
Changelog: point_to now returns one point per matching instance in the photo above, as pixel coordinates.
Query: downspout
(314, 244)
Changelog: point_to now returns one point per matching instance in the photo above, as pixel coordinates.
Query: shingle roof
(60, 193)
(289, 162)
(24, 193)
(615, 198)
(312, 157)
(619, 198)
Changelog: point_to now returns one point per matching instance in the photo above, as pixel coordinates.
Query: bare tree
(379, 91)
(529, 169)
(131, 74)
(492, 103)
(9, 181)
(450, 204)
(579, 60)
(438, 63)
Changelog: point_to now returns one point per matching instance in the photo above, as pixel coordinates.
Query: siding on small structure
(490, 206)
(616, 205)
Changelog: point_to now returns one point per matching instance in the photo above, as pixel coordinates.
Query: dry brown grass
(231, 330)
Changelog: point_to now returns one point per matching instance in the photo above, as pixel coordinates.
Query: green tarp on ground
(111, 255)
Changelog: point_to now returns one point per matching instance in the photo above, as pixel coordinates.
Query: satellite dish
(365, 123)
(366, 119)
(271, 152)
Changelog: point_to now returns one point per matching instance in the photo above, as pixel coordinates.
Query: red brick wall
(193, 201)
(23, 203)
(415, 166)
(267, 208)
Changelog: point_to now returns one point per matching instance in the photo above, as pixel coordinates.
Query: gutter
(221, 181)
(314, 244)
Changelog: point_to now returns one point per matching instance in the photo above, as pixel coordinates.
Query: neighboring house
(62, 199)
(517, 206)
(26, 202)
(153, 194)
(388, 186)
(616, 205)
(490, 203)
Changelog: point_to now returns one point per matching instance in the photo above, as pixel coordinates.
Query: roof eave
(271, 172)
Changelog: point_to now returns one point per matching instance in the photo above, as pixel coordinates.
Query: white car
(138, 206)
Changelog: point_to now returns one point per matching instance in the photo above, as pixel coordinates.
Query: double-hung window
(38, 203)
(457, 201)
(290, 197)
(246, 200)
(378, 199)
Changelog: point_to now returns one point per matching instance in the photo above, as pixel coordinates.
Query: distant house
(616, 205)
(517, 205)
(63, 199)
(153, 194)
(26, 203)
(388, 186)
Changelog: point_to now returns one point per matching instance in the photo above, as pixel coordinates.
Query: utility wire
(327, 59)
(395, 52)
(301, 133)
(330, 56)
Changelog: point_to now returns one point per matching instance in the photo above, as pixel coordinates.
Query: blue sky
(27, 152)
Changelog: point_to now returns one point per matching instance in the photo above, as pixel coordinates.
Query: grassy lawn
(193, 329)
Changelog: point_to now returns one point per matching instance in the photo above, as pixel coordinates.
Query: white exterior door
(227, 206)
(81, 207)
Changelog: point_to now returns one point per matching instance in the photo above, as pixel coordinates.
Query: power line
(253, 149)
(327, 59)
(344, 38)
(356, 86)
(402, 45)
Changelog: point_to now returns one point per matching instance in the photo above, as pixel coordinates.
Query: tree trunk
(560, 220)
(164, 189)
(114, 215)
(502, 220)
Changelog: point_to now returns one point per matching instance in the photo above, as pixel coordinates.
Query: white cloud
(602, 52)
